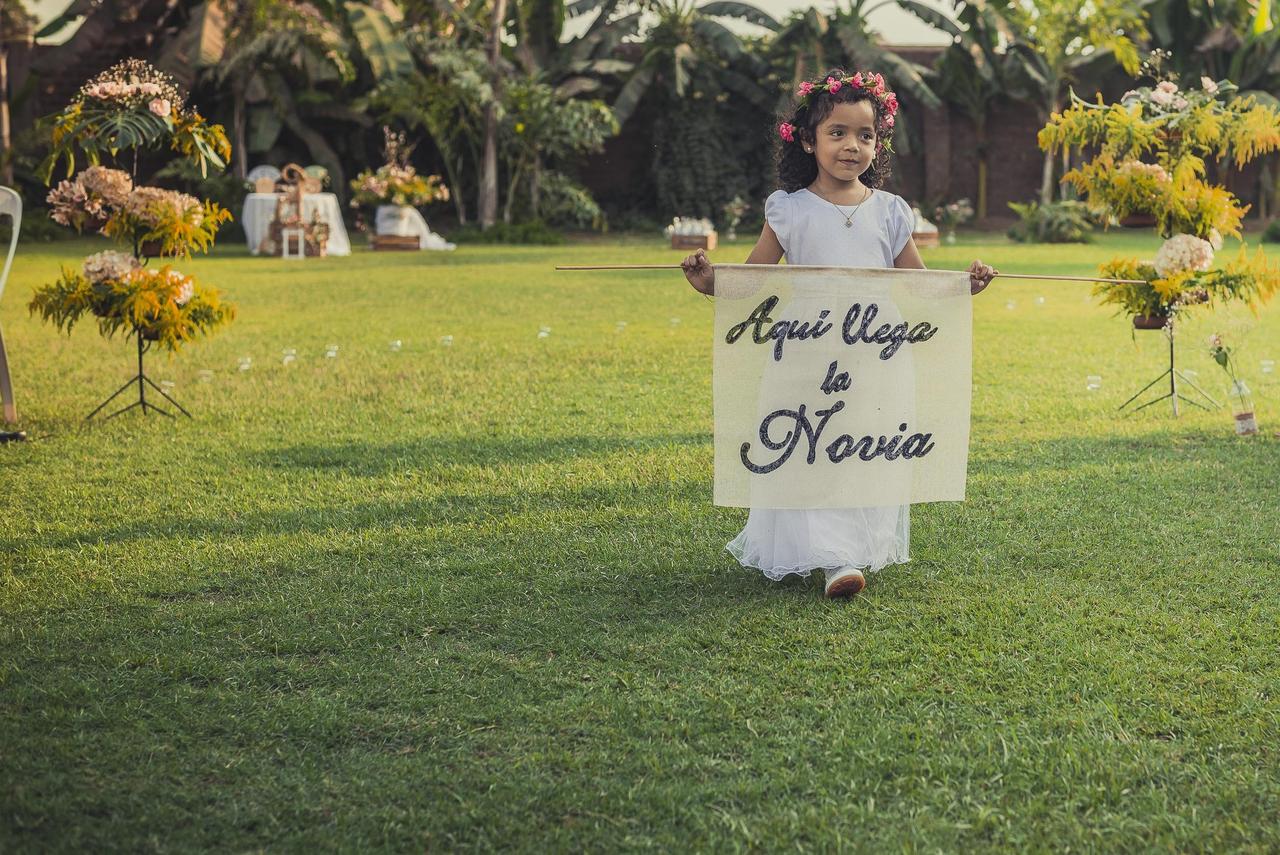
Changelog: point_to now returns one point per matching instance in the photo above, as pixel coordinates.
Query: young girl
(833, 155)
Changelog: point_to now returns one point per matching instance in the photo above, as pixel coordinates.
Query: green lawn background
(475, 596)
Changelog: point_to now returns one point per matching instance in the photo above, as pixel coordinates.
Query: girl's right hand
(699, 272)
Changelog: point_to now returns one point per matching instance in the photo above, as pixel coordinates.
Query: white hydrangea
(109, 264)
(1183, 252)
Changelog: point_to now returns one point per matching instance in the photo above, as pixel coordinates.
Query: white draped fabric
(404, 221)
(259, 208)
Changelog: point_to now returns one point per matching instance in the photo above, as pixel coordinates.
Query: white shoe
(844, 582)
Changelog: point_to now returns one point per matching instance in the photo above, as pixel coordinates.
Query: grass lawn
(475, 596)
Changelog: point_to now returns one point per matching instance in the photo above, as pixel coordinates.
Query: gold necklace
(848, 218)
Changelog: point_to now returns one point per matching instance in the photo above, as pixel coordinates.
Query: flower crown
(870, 82)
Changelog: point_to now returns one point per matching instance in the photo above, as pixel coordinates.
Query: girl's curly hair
(796, 167)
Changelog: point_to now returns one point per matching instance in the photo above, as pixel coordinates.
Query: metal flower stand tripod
(1174, 374)
(143, 381)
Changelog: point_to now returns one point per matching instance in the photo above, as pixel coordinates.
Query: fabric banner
(840, 387)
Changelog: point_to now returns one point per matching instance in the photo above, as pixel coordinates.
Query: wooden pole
(1004, 275)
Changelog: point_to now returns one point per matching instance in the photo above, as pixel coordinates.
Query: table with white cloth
(260, 208)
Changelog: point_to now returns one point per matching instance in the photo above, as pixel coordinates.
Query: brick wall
(944, 165)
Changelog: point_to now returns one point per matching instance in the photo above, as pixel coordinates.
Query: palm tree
(810, 42)
(271, 53)
(687, 43)
(974, 71)
(802, 37)
(1064, 42)
(852, 37)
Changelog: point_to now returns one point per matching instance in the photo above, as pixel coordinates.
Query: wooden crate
(707, 241)
(396, 243)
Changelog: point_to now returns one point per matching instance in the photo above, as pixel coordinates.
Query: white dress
(781, 541)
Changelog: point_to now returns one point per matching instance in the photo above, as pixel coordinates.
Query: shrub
(1272, 233)
(530, 232)
(566, 203)
(1057, 222)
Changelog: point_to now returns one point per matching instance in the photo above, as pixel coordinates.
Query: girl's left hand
(980, 276)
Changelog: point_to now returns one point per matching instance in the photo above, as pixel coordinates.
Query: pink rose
(160, 106)
(891, 103)
(787, 132)
(857, 79)
(833, 85)
(1208, 85)
(1167, 86)
(888, 121)
(805, 89)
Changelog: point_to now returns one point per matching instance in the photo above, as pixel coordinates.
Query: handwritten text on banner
(840, 387)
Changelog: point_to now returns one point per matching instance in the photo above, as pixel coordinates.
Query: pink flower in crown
(833, 85)
(888, 122)
(891, 104)
(856, 80)
(805, 89)
(787, 132)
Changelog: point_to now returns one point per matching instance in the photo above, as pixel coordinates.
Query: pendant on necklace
(848, 224)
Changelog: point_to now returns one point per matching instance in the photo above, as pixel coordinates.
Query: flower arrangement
(733, 211)
(133, 105)
(86, 202)
(1241, 398)
(159, 221)
(396, 182)
(162, 306)
(1151, 148)
(1185, 280)
(953, 214)
(166, 222)
(873, 83)
(689, 226)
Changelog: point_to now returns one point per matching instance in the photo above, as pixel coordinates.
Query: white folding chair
(10, 204)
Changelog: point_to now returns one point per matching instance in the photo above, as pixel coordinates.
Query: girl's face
(845, 143)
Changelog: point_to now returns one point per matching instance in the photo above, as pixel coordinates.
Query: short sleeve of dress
(902, 221)
(777, 213)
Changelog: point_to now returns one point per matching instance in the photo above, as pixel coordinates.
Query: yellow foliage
(1254, 133)
(1171, 286)
(160, 305)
